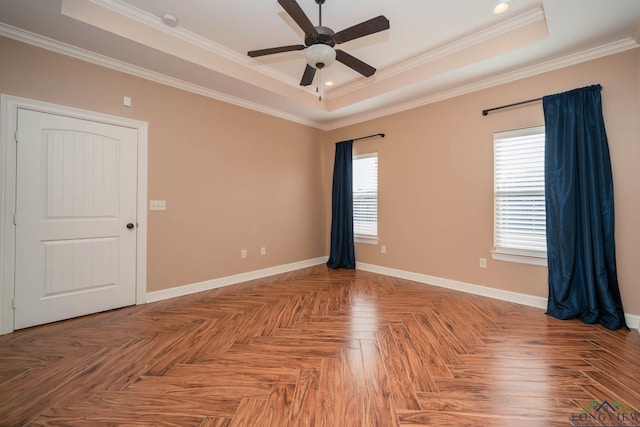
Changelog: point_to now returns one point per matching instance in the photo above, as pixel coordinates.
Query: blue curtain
(583, 281)
(342, 253)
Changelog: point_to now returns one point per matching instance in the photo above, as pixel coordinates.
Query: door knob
(130, 225)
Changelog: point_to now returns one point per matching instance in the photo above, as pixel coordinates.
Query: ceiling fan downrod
(320, 3)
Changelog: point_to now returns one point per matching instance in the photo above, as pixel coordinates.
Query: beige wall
(237, 179)
(436, 177)
(233, 178)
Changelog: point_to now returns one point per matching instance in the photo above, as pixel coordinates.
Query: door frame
(9, 106)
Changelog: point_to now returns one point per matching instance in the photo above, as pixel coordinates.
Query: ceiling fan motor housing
(324, 36)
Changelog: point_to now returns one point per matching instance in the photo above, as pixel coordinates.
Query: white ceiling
(433, 50)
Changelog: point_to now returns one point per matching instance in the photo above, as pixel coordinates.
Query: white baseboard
(485, 291)
(231, 280)
(633, 320)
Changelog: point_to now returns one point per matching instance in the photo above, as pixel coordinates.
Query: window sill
(370, 240)
(502, 255)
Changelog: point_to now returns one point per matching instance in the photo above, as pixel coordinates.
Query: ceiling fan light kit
(320, 55)
(320, 41)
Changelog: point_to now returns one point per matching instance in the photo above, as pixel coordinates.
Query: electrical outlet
(383, 249)
(483, 263)
(243, 253)
(263, 250)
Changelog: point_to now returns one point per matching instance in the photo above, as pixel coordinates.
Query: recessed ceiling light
(501, 7)
(328, 83)
(169, 20)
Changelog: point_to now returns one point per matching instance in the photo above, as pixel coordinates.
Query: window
(365, 197)
(519, 216)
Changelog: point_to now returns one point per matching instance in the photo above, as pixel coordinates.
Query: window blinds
(365, 195)
(520, 218)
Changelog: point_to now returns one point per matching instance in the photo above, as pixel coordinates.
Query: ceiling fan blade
(271, 51)
(354, 63)
(307, 77)
(373, 25)
(295, 11)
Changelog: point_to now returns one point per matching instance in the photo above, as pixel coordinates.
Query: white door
(75, 199)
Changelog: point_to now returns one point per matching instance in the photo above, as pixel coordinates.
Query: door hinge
(13, 303)
(15, 136)
(14, 220)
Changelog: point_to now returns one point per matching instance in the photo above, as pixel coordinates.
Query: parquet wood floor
(317, 347)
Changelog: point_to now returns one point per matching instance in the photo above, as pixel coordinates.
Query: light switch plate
(158, 205)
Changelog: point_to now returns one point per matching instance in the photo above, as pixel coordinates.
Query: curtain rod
(528, 101)
(381, 135)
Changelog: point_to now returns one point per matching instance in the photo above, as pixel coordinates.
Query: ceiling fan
(319, 42)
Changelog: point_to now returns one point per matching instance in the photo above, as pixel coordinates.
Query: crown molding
(518, 74)
(146, 30)
(482, 36)
(189, 37)
(501, 29)
(121, 66)
(101, 60)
